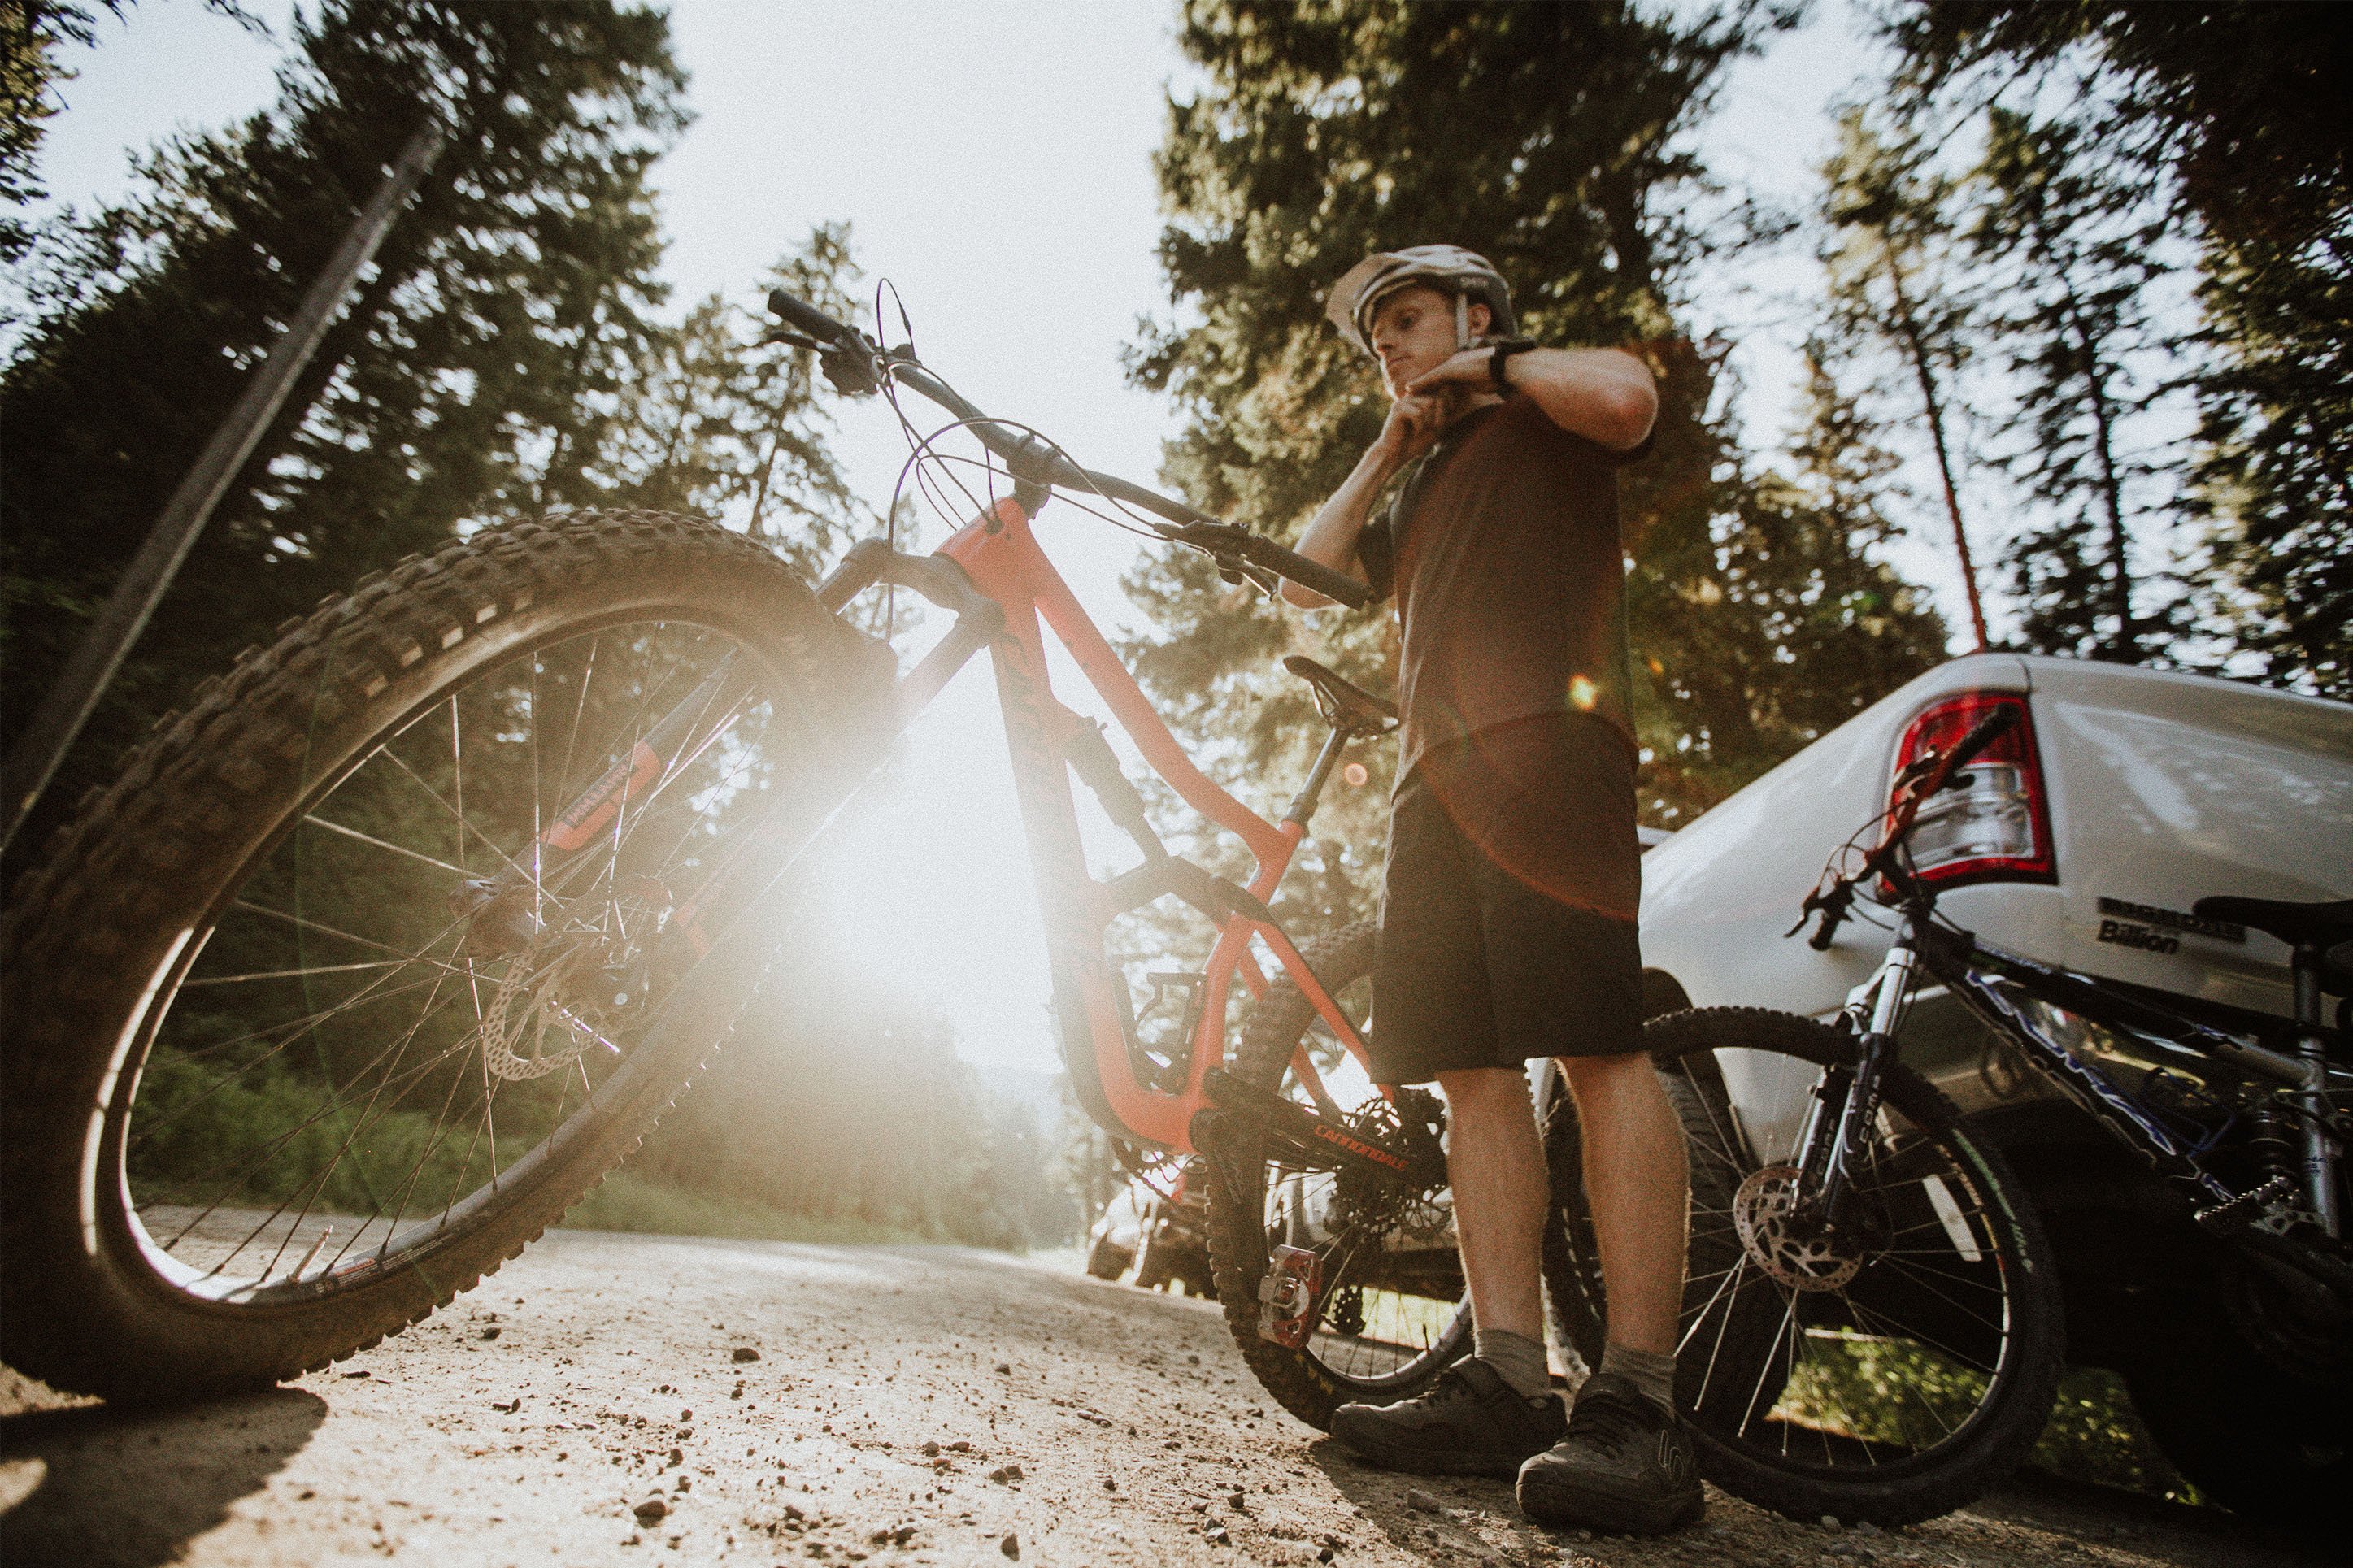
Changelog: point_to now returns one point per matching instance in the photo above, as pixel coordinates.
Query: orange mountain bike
(370, 963)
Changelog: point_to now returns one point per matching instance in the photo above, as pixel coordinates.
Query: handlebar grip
(1311, 574)
(799, 313)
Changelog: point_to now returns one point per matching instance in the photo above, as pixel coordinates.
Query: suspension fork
(1890, 990)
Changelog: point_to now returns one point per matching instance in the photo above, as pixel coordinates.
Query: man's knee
(1474, 1090)
(1587, 1074)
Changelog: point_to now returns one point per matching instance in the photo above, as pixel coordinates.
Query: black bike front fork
(1857, 1111)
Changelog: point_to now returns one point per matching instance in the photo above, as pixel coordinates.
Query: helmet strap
(1462, 322)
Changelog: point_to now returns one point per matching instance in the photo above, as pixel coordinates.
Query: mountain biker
(1507, 913)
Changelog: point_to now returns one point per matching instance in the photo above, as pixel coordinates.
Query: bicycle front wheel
(1889, 1371)
(375, 961)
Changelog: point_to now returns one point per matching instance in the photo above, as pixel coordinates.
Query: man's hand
(1412, 425)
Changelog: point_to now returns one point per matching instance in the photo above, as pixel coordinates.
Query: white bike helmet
(1448, 268)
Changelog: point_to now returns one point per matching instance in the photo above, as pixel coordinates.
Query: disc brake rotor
(1782, 1241)
(572, 981)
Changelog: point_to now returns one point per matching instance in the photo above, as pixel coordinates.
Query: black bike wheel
(316, 1019)
(1888, 1378)
(1392, 1312)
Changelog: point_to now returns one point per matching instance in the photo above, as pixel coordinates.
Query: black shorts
(1508, 911)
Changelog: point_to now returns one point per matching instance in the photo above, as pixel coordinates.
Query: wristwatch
(1504, 349)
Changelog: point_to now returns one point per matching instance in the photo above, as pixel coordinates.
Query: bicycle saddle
(2298, 925)
(1342, 702)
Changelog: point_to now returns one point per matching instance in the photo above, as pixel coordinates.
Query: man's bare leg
(1637, 1185)
(1496, 1163)
(1627, 1462)
(1488, 1413)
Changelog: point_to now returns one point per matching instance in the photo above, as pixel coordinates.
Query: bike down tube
(1004, 564)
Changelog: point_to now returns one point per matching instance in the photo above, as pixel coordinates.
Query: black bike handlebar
(1029, 458)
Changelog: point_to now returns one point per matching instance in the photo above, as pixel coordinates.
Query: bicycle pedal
(1287, 1294)
(2246, 1209)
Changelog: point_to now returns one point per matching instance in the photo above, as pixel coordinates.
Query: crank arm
(1320, 1141)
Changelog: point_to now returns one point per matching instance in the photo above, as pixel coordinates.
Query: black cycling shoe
(1626, 1466)
(1471, 1422)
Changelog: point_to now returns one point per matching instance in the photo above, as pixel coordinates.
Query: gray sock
(1517, 1360)
(1651, 1373)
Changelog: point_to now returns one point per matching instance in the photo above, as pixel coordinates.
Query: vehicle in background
(1158, 1234)
(2081, 840)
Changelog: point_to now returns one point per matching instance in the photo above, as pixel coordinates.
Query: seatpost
(1303, 805)
(2319, 1154)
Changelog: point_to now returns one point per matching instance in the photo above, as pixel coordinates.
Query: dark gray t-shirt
(1502, 547)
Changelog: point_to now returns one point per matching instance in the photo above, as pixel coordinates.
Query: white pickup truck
(2130, 794)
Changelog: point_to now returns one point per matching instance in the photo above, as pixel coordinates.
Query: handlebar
(1834, 902)
(856, 363)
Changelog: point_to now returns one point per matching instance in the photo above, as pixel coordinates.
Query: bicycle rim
(429, 979)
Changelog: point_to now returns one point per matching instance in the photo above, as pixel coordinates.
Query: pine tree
(2072, 256)
(2230, 113)
(1549, 138)
(1885, 213)
(477, 371)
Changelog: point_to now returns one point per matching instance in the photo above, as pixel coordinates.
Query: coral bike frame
(1006, 596)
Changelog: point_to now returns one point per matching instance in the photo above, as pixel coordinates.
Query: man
(1507, 919)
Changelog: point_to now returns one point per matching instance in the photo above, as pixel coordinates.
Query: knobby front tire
(276, 1083)
(1891, 1379)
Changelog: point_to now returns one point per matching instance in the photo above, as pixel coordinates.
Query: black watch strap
(1503, 350)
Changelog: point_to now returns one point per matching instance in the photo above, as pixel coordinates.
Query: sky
(994, 161)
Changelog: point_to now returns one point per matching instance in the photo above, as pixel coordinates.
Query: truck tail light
(1992, 823)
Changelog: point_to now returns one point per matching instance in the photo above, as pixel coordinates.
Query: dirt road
(611, 1399)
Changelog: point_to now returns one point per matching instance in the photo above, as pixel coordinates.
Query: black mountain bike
(1872, 1324)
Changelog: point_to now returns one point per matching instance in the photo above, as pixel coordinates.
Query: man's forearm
(1331, 538)
(1605, 395)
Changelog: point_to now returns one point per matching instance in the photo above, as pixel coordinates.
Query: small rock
(1325, 1554)
(1216, 1536)
(1235, 1499)
(931, 1450)
(1420, 1501)
(1830, 1521)
(510, 1407)
(1010, 1546)
(653, 1510)
(362, 1372)
(746, 1352)
(1005, 1367)
(959, 1446)
(492, 1333)
(1867, 1528)
(1110, 1485)
(1006, 1474)
(677, 1456)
